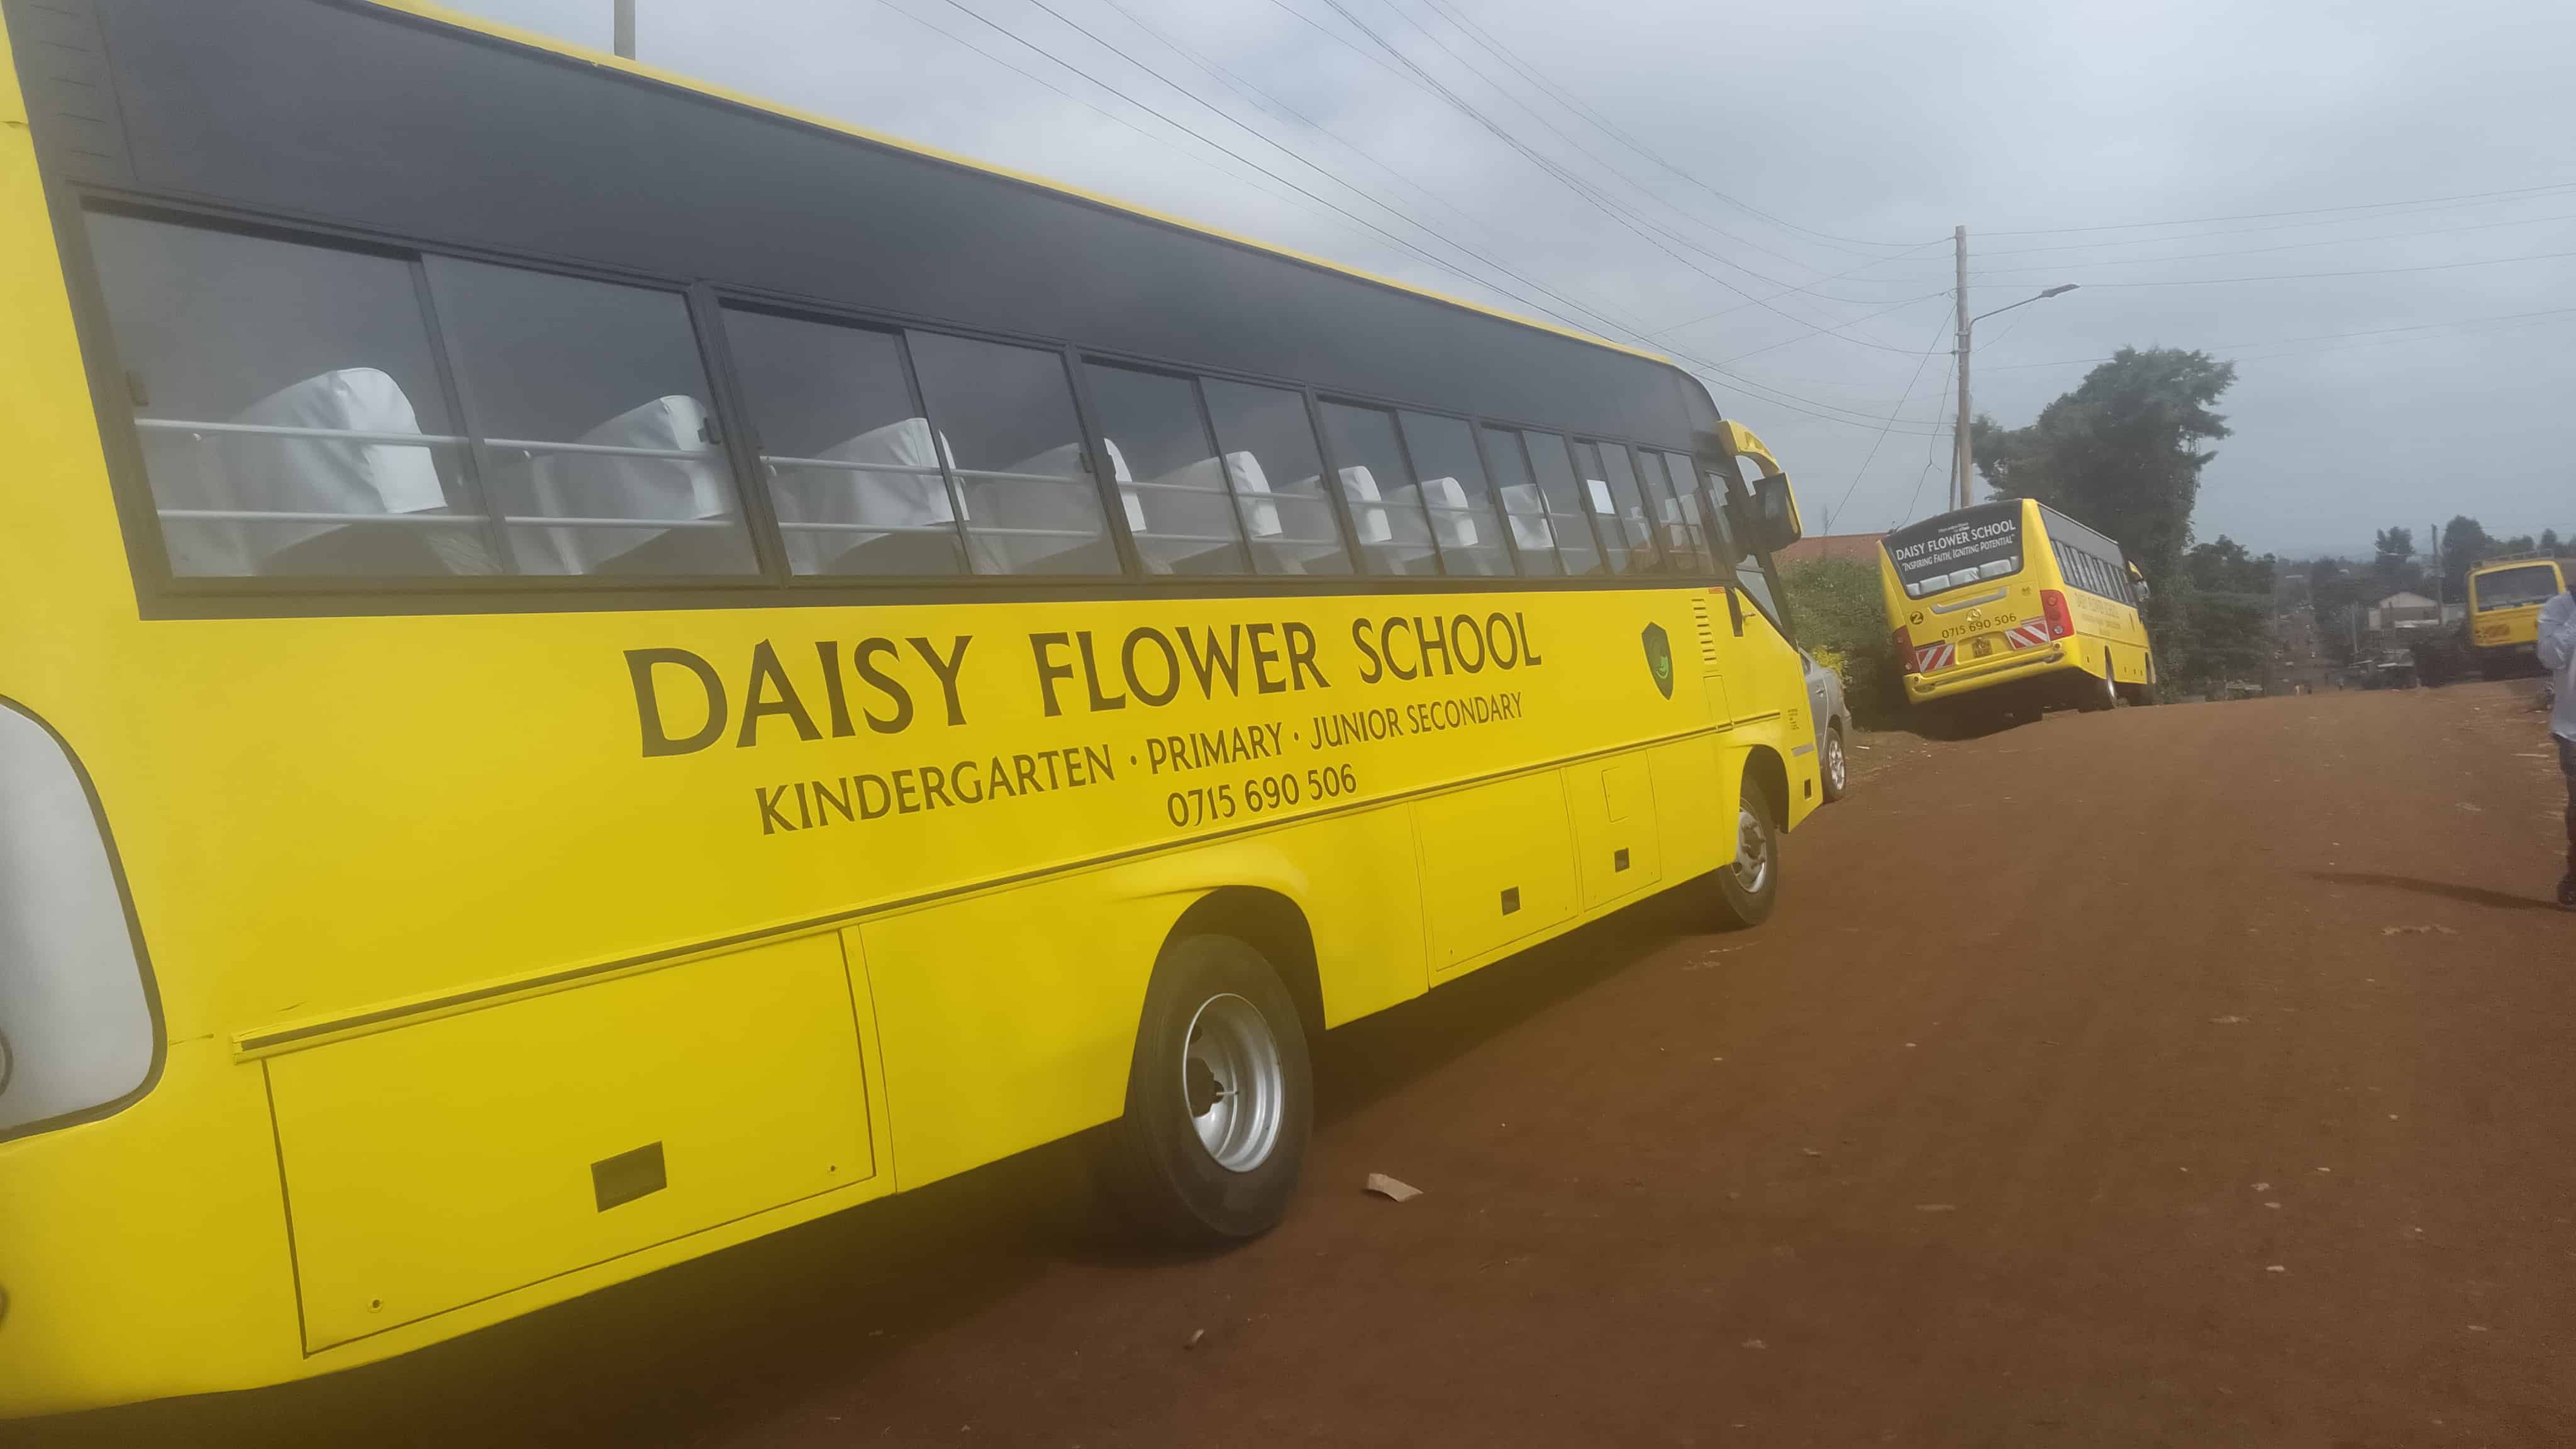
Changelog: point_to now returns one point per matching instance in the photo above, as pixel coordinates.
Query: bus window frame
(161, 593)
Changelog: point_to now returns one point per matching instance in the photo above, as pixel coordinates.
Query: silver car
(1833, 726)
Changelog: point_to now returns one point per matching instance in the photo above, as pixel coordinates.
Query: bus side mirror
(1775, 510)
(2144, 590)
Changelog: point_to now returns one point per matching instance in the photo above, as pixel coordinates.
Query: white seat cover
(297, 474)
(593, 485)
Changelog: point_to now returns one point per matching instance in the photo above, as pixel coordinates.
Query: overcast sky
(1792, 153)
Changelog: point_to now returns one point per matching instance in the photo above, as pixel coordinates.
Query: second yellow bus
(2010, 606)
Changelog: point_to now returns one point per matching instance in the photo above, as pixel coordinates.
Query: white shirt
(2558, 655)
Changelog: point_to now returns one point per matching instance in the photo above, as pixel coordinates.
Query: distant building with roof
(2403, 610)
(1859, 547)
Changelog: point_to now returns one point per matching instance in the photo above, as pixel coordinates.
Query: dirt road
(2221, 1094)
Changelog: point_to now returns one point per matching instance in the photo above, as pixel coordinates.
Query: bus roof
(516, 35)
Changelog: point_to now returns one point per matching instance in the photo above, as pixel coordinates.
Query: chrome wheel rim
(1752, 852)
(1232, 1085)
(1836, 770)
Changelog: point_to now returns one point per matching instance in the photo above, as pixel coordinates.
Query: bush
(1834, 604)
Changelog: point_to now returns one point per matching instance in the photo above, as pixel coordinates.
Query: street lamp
(622, 28)
(1963, 456)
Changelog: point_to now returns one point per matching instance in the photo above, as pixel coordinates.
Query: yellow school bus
(2505, 599)
(595, 669)
(2011, 606)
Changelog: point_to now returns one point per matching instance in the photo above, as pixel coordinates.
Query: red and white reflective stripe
(2027, 636)
(1938, 655)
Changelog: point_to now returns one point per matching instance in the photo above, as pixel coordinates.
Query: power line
(1579, 107)
(2320, 337)
(1855, 322)
(2392, 211)
(1581, 189)
(1881, 440)
(1595, 157)
(1103, 112)
(1335, 207)
(2339, 241)
(1836, 277)
(1931, 455)
(2310, 211)
(1774, 396)
(1278, 108)
(1764, 392)
(2363, 272)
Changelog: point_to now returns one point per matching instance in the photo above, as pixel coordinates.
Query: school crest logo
(1659, 658)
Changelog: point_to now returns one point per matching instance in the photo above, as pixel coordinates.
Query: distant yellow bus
(2505, 599)
(2011, 606)
(594, 670)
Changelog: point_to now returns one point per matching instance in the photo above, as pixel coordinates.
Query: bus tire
(1837, 765)
(1220, 1098)
(2102, 694)
(1749, 887)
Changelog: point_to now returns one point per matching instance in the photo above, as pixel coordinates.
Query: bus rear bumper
(1925, 688)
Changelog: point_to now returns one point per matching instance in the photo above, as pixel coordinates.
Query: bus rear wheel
(2102, 694)
(1748, 888)
(1220, 1098)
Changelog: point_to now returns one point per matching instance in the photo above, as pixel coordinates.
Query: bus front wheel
(1220, 1098)
(1749, 887)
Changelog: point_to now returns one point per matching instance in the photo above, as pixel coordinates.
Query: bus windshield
(2512, 588)
(1980, 542)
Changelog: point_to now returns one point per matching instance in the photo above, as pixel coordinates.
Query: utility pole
(624, 42)
(1963, 460)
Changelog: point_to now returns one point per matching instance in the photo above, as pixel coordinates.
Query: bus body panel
(426, 1166)
(434, 876)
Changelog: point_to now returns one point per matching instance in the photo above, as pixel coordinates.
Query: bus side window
(1457, 495)
(1634, 522)
(1386, 505)
(590, 401)
(853, 470)
(1277, 472)
(1551, 464)
(1683, 470)
(1025, 491)
(1175, 491)
(1680, 539)
(1524, 511)
(278, 387)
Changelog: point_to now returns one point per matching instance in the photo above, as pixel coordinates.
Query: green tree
(2334, 591)
(2225, 567)
(1840, 612)
(2122, 452)
(2220, 627)
(2392, 564)
(2464, 542)
(2549, 541)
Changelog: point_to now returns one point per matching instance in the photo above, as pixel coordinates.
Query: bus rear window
(1983, 542)
(2512, 588)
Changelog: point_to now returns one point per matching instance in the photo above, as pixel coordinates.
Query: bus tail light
(1903, 639)
(2061, 622)
(78, 1029)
